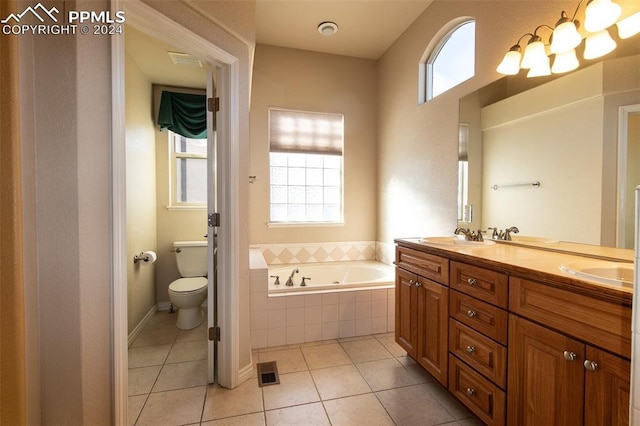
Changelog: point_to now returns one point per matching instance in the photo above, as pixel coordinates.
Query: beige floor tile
(300, 415)
(416, 370)
(355, 339)
(357, 410)
(146, 356)
(413, 405)
(188, 351)
(255, 419)
(288, 360)
(161, 319)
(198, 333)
(317, 343)
(338, 382)
(244, 399)
(177, 407)
(134, 407)
(365, 350)
(155, 337)
(182, 375)
(323, 356)
(294, 389)
(448, 401)
(141, 379)
(385, 374)
(389, 342)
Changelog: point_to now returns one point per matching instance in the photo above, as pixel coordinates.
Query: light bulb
(565, 37)
(534, 54)
(540, 69)
(510, 64)
(629, 26)
(565, 62)
(598, 44)
(601, 14)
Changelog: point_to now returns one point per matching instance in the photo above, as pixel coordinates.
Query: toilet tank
(191, 258)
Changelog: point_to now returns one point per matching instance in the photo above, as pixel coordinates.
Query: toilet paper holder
(146, 257)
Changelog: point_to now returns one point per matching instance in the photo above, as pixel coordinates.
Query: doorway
(154, 24)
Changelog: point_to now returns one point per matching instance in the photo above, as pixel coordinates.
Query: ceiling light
(327, 28)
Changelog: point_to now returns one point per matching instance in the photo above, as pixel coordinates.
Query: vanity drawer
(483, 354)
(487, 319)
(596, 321)
(435, 268)
(484, 284)
(481, 396)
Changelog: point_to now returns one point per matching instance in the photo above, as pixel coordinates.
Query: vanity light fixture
(599, 16)
(327, 28)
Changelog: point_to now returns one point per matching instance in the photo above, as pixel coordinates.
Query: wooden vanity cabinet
(422, 310)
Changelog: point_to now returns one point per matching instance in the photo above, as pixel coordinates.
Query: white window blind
(305, 132)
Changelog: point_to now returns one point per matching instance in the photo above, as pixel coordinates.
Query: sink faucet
(290, 280)
(469, 235)
(508, 231)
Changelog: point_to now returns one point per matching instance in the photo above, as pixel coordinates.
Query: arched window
(452, 61)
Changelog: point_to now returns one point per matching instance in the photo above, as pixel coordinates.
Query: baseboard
(245, 373)
(136, 331)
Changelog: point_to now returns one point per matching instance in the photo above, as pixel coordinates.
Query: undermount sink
(615, 273)
(456, 241)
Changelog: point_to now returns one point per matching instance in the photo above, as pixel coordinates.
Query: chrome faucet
(290, 280)
(508, 231)
(469, 235)
(303, 283)
(504, 235)
(277, 277)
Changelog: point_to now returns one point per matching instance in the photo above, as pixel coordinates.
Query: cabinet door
(433, 324)
(607, 379)
(406, 311)
(546, 376)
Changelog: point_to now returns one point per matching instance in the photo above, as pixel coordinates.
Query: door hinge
(213, 104)
(214, 219)
(214, 333)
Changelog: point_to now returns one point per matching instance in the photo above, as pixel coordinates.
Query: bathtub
(331, 277)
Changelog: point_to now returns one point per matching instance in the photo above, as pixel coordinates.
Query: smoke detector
(327, 28)
(184, 59)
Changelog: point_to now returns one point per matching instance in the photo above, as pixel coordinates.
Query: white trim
(119, 230)
(246, 373)
(623, 121)
(138, 329)
(157, 25)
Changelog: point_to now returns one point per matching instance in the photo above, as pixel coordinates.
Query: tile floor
(365, 380)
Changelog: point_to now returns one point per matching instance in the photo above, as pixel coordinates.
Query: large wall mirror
(559, 159)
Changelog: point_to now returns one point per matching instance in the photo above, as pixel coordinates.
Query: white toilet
(188, 293)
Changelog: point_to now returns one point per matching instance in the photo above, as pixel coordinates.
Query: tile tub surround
(282, 320)
(275, 254)
(362, 380)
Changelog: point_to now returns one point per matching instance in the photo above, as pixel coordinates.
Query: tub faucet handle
(304, 284)
(277, 277)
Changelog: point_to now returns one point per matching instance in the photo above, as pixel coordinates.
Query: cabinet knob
(470, 391)
(590, 365)
(471, 313)
(471, 281)
(569, 356)
(411, 282)
(472, 349)
(418, 284)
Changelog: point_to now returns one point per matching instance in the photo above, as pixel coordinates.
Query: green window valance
(184, 114)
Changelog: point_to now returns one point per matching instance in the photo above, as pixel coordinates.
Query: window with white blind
(188, 171)
(306, 167)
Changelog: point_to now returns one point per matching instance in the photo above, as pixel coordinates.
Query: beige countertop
(537, 263)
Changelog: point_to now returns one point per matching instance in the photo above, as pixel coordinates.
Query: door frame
(159, 26)
(624, 112)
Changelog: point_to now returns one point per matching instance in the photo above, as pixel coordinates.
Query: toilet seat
(188, 285)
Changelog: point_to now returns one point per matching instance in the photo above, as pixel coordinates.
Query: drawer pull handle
(470, 391)
(590, 365)
(472, 349)
(569, 356)
(471, 313)
(471, 281)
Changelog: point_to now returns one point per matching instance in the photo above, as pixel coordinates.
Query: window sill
(186, 208)
(303, 224)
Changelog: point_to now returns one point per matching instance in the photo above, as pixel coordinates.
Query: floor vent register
(268, 373)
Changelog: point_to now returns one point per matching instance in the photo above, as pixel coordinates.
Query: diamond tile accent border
(275, 254)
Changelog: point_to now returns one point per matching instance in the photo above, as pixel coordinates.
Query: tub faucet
(304, 284)
(290, 280)
(277, 277)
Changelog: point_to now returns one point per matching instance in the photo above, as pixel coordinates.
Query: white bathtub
(331, 277)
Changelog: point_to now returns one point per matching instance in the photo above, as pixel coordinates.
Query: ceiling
(366, 28)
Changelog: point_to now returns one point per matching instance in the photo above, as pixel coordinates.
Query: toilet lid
(188, 284)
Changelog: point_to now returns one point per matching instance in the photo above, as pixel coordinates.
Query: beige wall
(311, 81)
(141, 193)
